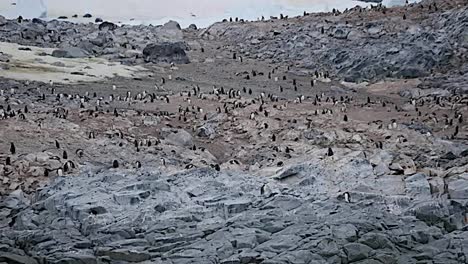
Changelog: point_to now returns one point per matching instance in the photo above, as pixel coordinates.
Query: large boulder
(70, 52)
(3, 21)
(171, 25)
(165, 52)
(107, 26)
(458, 189)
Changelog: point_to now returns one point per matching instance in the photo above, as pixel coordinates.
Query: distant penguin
(138, 164)
(12, 148)
(347, 197)
(65, 155)
(115, 164)
(263, 189)
(57, 144)
(345, 118)
(8, 161)
(79, 153)
(330, 152)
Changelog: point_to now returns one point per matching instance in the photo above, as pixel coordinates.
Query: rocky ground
(239, 143)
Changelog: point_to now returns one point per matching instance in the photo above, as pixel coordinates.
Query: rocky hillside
(246, 142)
(360, 44)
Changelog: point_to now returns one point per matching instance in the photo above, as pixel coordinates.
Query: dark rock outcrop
(166, 52)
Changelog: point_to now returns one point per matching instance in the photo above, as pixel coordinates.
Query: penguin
(163, 162)
(115, 164)
(345, 118)
(12, 148)
(330, 152)
(263, 189)
(189, 166)
(57, 144)
(456, 131)
(273, 138)
(60, 172)
(116, 114)
(8, 161)
(79, 153)
(347, 197)
(138, 164)
(65, 154)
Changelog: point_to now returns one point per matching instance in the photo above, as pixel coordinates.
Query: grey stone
(376, 241)
(356, 251)
(179, 137)
(16, 259)
(3, 21)
(171, 25)
(70, 52)
(458, 189)
(128, 255)
(418, 186)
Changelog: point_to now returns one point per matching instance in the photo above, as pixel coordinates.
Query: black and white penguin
(57, 144)
(65, 154)
(12, 148)
(347, 197)
(115, 164)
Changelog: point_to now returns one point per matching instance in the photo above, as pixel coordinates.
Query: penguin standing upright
(347, 197)
(12, 148)
(330, 152)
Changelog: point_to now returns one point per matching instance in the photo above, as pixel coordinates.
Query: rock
(171, 25)
(16, 259)
(340, 33)
(356, 251)
(87, 15)
(179, 137)
(458, 189)
(98, 20)
(347, 232)
(70, 52)
(376, 241)
(78, 259)
(3, 21)
(165, 52)
(206, 131)
(192, 27)
(106, 25)
(124, 254)
(418, 186)
(33, 32)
